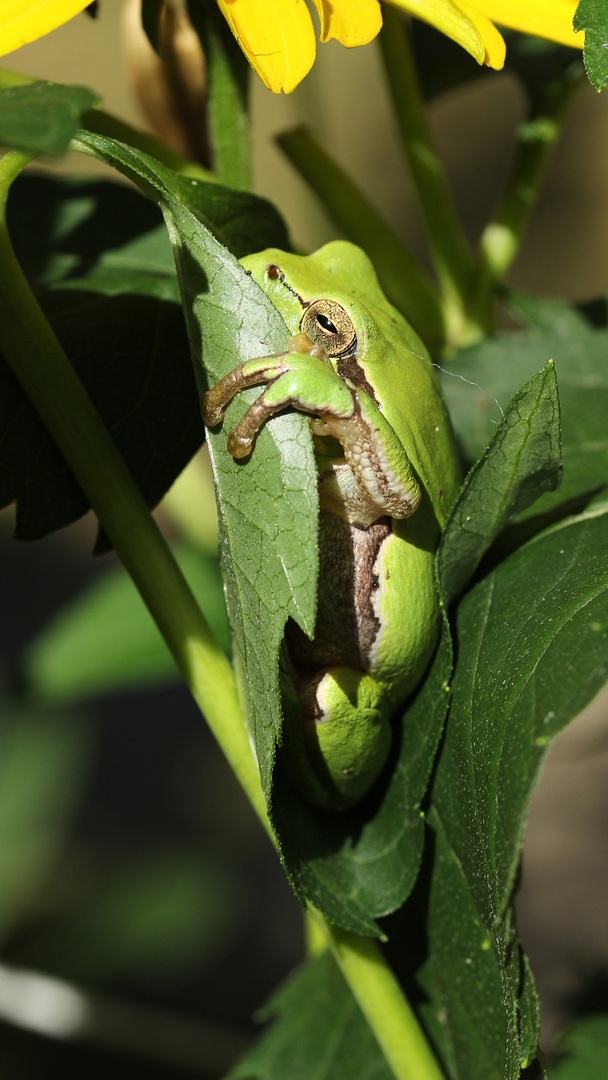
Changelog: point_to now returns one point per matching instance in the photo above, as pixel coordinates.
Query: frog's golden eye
(328, 324)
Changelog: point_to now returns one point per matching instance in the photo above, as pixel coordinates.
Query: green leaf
(532, 647)
(125, 339)
(363, 864)
(94, 235)
(132, 354)
(240, 221)
(42, 117)
(585, 1047)
(318, 1033)
(592, 17)
(478, 383)
(521, 462)
(105, 640)
(268, 504)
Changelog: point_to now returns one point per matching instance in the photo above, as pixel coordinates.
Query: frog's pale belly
(347, 625)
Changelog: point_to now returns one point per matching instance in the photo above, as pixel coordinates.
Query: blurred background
(135, 877)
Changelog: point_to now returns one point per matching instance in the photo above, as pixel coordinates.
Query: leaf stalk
(384, 1005)
(536, 137)
(448, 245)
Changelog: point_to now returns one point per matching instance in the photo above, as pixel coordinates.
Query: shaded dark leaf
(318, 1033)
(532, 640)
(90, 234)
(132, 355)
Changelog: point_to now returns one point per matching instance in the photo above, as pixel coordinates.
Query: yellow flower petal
(22, 21)
(493, 41)
(351, 22)
(547, 18)
(277, 38)
(463, 24)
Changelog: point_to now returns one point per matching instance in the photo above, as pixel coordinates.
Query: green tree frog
(388, 471)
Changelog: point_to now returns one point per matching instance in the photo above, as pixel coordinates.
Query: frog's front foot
(301, 378)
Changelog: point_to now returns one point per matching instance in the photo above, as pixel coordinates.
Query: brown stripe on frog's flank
(347, 625)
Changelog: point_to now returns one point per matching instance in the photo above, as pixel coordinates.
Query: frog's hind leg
(337, 738)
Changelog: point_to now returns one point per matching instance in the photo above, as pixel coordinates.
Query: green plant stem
(449, 249)
(384, 1005)
(536, 137)
(228, 75)
(403, 280)
(47, 377)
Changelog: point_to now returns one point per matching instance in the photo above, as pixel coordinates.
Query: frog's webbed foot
(303, 378)
(300, 377)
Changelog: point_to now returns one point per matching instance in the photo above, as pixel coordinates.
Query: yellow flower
(471, 24)
(278, 39)
(22, 21)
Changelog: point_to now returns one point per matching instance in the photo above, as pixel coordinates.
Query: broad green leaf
(585, 1047)
(42, 763)
(318, 1033)
(592, 17)
(95, 235)
(479, 382)
(521, 462)
(268, 504)
(132, 354)
(239, 220)
(42, 117)
(105, 640)
(532, 651)
(364, 863)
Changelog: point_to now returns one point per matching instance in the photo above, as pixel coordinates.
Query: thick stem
(536, 137)
(449, 249)
(228, 76)
(384, 1005)
(41, 366)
